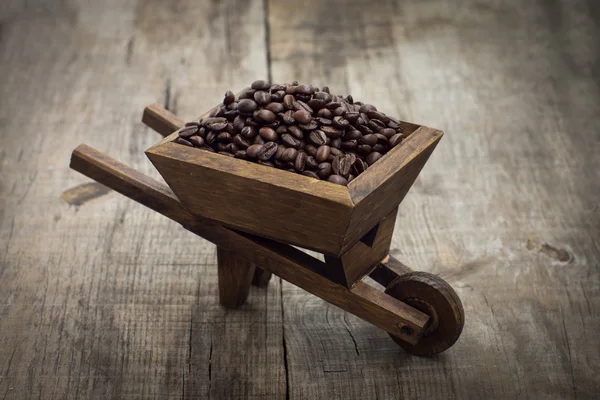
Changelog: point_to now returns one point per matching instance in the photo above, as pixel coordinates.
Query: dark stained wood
(361, 258)
(388, 270)
(235, 278)
(261, 277)
(161, 120)
(383, 186)
(279, 205)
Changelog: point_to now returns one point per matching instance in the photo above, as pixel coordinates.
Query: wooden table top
(103, 298)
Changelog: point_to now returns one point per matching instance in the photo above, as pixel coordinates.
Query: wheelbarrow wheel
(433, 296)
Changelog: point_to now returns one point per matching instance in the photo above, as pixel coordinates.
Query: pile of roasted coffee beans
(297, 128)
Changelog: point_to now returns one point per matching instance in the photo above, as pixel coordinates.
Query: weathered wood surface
(107, 299)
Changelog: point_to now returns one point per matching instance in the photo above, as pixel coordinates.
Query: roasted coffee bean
(288, 101)
(316, 104)
(341, 165)
(304, 89)
(207, 148)
(336, 152)
(365, 130)
(279, 152)
(368, 139)
(290, 141)
(373, 114)
(302, 117)
(210, 137)
(331, 131)
(375, 125)
(323, 96)
(247, 106)
(352, 116)
(262, 98)
(260, 85)
(239, 123)
(305, 107)
(288, 118)
(312, 125)
(265, 163)
(350, 99)
(324, 113)
(281, 129)
(202, 132)
(241, 142)
(324, 170)
(184, 142)
(220, 146)
(380, 148)
(311, 162)
(332, 105)
(323, 121)
(325, 89)
(335, 142)
(340, 122)
(339, 111)
(229, 97)
(275, 107)
(296, 132)
(340, 180)
(359, 166)
(264, 116)
(322, 153)
(248, 94)
(232, 148)
(196, 140)
(387, 132)
(279, 164)
(374, 156)
(310, 149)
(267, 151)
(248, 132)
(229, 128)
(317, 137)
(216, 112)
(188, 131)
(396, 139)
(253, 150)
(350, 144)
(381, 139)
(291, 89)
(241, 154)
(224, 137)
(258, 140)
(268, 134)
(300, 163)
(277, 96)
(251, 122)
(311, 174)
(352, 134)
(365, 108)
(364, 149)
(193, 123)
(289, 154)
(232, 107)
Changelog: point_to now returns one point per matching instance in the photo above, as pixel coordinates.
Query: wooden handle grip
(161, 120)
(129, 182)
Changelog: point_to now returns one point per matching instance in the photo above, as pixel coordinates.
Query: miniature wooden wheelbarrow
(255, 213)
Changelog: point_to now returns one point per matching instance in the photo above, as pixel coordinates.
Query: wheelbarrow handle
(161, 120)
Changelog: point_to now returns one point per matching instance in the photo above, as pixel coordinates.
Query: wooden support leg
(235, 277)
(261, 277)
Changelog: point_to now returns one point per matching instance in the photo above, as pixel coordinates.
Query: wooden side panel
(256, 199)
(381, 189)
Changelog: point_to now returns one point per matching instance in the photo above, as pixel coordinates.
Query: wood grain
(235, 278)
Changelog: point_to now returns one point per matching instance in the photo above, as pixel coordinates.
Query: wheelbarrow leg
(261, 277)
(235, 277)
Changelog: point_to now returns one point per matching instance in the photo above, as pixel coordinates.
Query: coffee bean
(336, 142)
(281, 129)
(258, 140)
(331, 131)
(339, 111)
(317, 137)
(265, 163)
(296, 132)
(253, 150)
(311, 162)
(304, 89)
(322, 153)
(279, 164)
(291, 89)
(196, 140)
(359, 166)
(374, 156)
(373, 114)
(300, 163)
(368, 139)
(343, 164)
(365, 108)
(288, 117)
(193, 123)
(380, 148)
(310, 149)
(262, 98)
(224, 137)
(340, 122)
(207, 148)
(349, 99)
(311, 174)
(338, 179)
(364, 149)
(351, 134)
(324, 170)
(302, 117)
(220, 146)
(332, 105)
(275, 108)
(248, 132)
(216, 112)
(184, 142)
(265, 116)
(267, 151)
(323, 121)
(241, 154)
(241, 142)
(268, 134)
(238, 123)
(350, 144)
(325, 89)
(247, 106)
(289, 154)
(279, 152)
(251, 122)
(305, 107)
(396, 139)
(260, 85)
(381, 139)
(395, 125)
(229, 97)
(289, 140)
(210, 137)
(312, 125)
(316, 104)
(336, 152)
(188, 131)
(387, 132)
(288, 101)
(375, 125)
(232, 148)
(365, 130)
(324, 113)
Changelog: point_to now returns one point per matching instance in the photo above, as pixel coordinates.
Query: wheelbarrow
(258, 216)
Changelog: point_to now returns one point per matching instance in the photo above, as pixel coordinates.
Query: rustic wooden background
(102, 298)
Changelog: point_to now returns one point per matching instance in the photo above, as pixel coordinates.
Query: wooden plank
(309, 213)
(514, 86)
(108, 299)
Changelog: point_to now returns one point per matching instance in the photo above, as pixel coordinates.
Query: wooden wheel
(433, 296)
